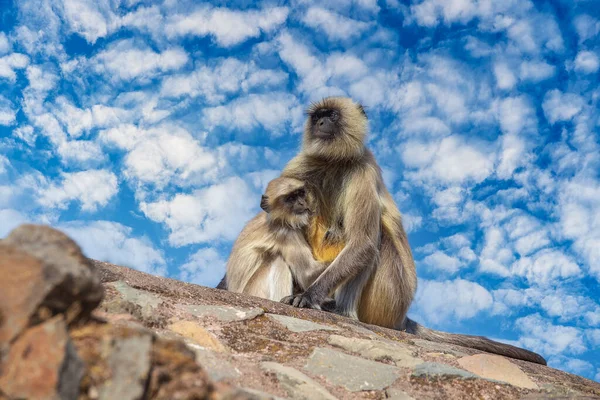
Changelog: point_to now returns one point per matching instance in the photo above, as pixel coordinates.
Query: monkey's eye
(301, 192)
(290, 198)
(334, 116)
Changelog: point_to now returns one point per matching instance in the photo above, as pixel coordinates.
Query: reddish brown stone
(20, 291)
(42, 364)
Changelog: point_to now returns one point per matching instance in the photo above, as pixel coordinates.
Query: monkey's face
(287, 201)
(335, 129)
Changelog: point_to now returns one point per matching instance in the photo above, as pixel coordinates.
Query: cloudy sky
(147, 131)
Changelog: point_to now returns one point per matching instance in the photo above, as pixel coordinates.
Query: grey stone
(438, 347)
(72, 371)
(250, 394)
(216, 367)
(397, 394)
(135, 296)
(377, 350)
(224, 313)
(300, 325)
(297, 385)
(437, 370)
(129, 362)
(353, 373)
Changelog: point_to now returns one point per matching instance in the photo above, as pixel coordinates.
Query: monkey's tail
(475, 342)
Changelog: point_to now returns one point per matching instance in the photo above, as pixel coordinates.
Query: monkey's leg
(348, 295)
(280, 280)
(390, 291)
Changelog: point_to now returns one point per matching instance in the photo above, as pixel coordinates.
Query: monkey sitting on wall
(372, 272)
(271, 254)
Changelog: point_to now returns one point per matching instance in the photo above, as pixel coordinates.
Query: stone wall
(77, 328)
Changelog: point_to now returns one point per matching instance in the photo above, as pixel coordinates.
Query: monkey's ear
(361, 108)
(264, 203)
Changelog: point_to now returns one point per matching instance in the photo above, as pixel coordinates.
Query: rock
(129, 363)
(438, 347)
(223, 313)
(198, 334)
(217, 368)
(144, 306)
(42, 364)
(397, 394)
(299, 325)
(437, 370)
(139, 297)
(176, 375)
(377, 350)
(69, 277)
(353, 373)
(497, 368)
(22, 291)
(117, 356)
(249, 394)
(298, 385)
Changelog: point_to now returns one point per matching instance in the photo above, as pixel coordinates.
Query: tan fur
(272, 250)
(373, 276)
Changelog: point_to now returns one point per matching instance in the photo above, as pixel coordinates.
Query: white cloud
(272, 111)
(587, 27)
(216, 212)
(205, 267)
(91, 188)
(41, 79)
(587, 62)
(228, 27)
(10, 219)
(411, 222)
(458, 299)
(536, 71)
(112, 242)
(7, 114)
(505, 78)
(89, 18)
(495, 256)
(512, 155)
(579, 213)
(80, 153)
(10, 63)
(453, 161)
(124, 60)
(79, 121)
(335, 26)
(516, 115)
(163, 155)
(227, 77)
(542, 336)
(5, 45)
(440, 261)
(546, 267)
(560, 106)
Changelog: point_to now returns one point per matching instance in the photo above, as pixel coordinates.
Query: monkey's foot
(303, 300)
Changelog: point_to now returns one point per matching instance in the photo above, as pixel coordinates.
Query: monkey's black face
(325, 123)
(297, 202)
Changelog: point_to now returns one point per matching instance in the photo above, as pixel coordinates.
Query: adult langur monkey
(373, 277)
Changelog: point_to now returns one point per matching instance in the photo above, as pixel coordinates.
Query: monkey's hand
(308, 299)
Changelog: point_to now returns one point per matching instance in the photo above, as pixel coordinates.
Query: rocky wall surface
(74, 328)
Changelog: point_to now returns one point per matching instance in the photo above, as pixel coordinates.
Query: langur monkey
(371, 272)
(271, 255)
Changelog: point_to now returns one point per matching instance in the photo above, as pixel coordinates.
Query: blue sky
(148, 130)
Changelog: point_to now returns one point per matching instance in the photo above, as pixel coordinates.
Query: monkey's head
(335, 129)
(287, 202)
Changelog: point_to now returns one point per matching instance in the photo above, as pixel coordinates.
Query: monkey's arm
(362, 221)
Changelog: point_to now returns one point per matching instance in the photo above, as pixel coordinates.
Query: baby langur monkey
(271, 254)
